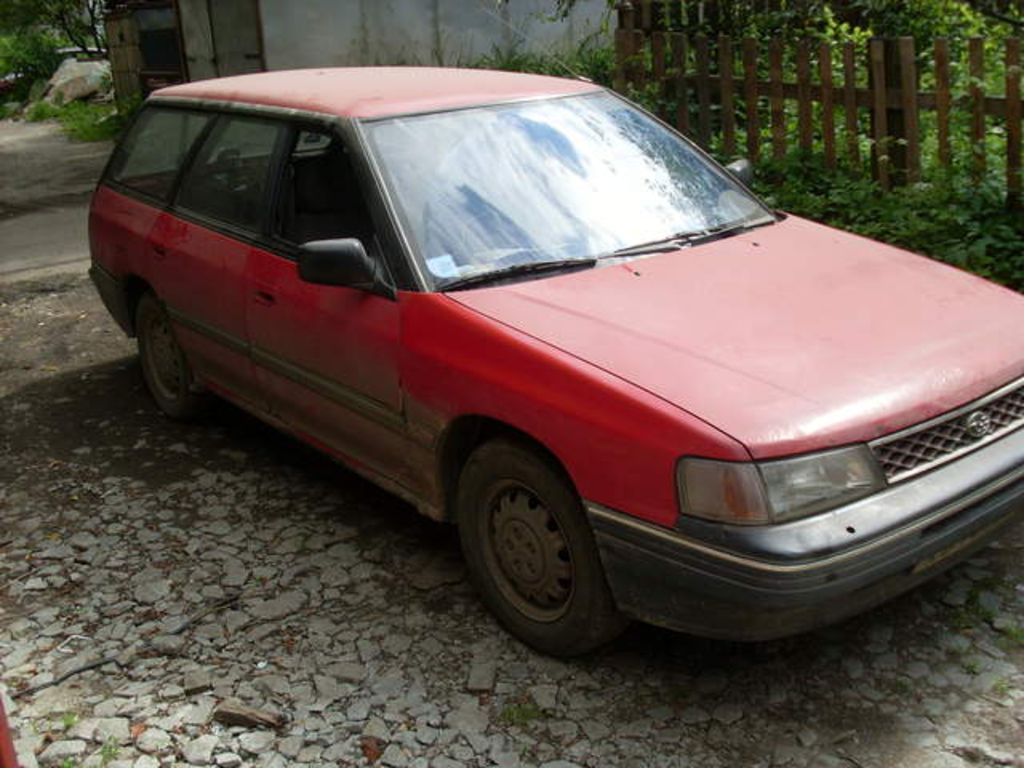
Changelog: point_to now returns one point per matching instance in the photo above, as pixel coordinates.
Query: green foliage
(32, 55)
(84, 121)
(924, 20)
(947, 218)
(520, 713)
(109, 752)
(589, 59)
(80, 22)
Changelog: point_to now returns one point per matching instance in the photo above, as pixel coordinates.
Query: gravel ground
(221, 564)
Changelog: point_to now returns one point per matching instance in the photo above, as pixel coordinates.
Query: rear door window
(149, 158)
(228, 179)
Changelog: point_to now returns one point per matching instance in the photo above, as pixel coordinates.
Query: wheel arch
(467, 432)
(134, 287)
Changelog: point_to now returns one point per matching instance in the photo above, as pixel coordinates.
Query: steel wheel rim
(163, 359)
(529, 554)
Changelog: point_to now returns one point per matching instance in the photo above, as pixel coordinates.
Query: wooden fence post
(803, 96)
(623, 45)
(1013, 124)
(876, 52)
(828, 128)
(850, 107)
(911, 165)
(887, 79)
(750, 96)
(976, 56)
(943, 101)
(725, 63)
(778, 104)
(680, 49)
(703, 91)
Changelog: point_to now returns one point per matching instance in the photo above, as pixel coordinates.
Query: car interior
(321, 198)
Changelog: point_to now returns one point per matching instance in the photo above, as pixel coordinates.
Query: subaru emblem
(978, 424)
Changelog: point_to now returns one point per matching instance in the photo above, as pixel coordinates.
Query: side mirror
(341, 262)
(742, 169)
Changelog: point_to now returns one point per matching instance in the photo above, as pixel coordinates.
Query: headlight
(776, 491)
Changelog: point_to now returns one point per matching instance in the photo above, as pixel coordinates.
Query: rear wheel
(164, 367)
(530, 551)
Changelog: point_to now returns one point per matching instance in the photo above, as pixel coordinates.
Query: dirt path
(45, 183)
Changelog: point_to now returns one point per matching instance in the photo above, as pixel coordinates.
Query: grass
(520, 713)
(82, 121)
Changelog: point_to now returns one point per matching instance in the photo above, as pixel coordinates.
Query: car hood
(789, 338)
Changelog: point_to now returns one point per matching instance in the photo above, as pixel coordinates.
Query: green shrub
(946, 218)
(83, 120)
(589, 59)
(30, 54)
(42, 110)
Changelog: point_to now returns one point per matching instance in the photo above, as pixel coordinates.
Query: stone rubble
(332, 604)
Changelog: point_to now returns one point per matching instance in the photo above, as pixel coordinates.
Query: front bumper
(764, 582)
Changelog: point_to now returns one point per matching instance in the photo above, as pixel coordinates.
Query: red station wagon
(530, 308)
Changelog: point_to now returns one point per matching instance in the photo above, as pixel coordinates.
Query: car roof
(369, 92)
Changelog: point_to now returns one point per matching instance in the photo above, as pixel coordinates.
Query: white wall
(312, 33)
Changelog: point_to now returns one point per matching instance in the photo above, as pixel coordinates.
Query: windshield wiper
(662, 245)
(723, 230)
(528, 268)
(685, 239)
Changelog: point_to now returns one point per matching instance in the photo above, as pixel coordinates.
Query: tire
(164, 367)
(530, 551)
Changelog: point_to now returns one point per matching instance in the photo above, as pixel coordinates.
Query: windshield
(490, 189)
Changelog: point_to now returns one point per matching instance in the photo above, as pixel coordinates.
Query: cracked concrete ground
(223, 562)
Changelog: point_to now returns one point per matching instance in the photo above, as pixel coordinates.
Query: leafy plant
(31, 55)
(946, 218)
(109, 752)
(589, 59)
(84, 121)
(520, 713)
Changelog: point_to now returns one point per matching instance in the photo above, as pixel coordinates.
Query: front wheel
(530, 551)
(164, 367)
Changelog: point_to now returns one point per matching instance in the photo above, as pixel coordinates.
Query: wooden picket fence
(720, 88)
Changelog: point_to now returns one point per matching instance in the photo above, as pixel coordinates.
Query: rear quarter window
(228, 180)
(151, 154)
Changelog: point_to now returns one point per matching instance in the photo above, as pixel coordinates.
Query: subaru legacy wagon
(529, 308)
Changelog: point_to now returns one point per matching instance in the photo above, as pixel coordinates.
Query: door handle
(159, 250)
(265, 298)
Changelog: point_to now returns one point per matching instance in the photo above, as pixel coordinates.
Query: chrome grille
(943, 439)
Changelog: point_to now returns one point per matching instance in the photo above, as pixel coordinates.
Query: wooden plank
(976, 59)
(645, 15)
(658, 56)
(624, 47)
(778, 105)
(850, 105)
(908, 98)
(803, 100)
(751, 98)
(1013, 123)
(623, 39)
(942, 101)
(703, 91)
(876, 53)
(864, 98)
(639, 71)
(725, 63)
(828, 128)
(658, 65)
(680, 50)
